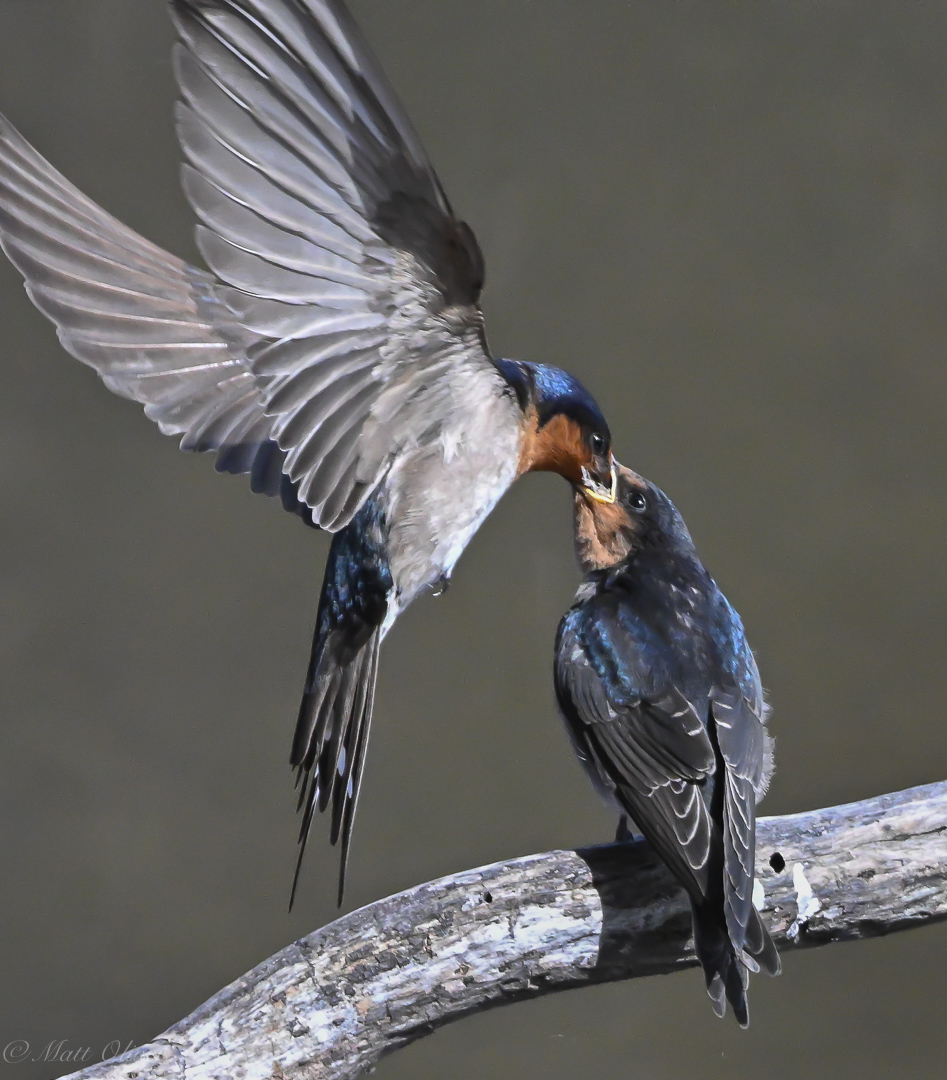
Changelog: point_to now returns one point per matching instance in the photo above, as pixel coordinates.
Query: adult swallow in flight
(336, 351)
(662, 700)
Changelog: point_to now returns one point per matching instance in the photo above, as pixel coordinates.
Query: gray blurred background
(730, 220)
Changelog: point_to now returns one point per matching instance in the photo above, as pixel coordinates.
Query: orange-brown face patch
(557, 446)
(602, 533)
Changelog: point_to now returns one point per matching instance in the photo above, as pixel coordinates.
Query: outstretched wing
(646, 744)
(350, 289)
(339, 249)
(147, 322)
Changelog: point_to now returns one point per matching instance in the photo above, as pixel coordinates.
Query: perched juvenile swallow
(662, 700)
(336, 352)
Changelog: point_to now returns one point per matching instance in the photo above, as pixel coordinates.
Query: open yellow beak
(598, 491)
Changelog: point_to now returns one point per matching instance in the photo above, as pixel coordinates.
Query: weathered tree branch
(333, 1003)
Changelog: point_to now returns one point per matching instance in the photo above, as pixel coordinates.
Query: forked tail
(336, 710)
(725, 971)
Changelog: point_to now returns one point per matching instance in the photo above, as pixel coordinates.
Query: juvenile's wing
(742, 740)
(148, 323)
(339, 249)
(646, 743)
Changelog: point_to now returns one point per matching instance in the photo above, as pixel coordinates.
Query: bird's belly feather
(441, 492)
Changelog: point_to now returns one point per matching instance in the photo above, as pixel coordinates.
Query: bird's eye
(637, 501)
(597, 444)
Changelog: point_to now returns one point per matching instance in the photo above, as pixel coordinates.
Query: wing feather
(144, 320)
(246, 186)
(151, 326)
(741, 737)
(649, 750)
(248, 231)
(339, 270)
(324, 217)
(264, 276)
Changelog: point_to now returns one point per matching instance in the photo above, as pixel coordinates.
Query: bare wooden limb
(333, 1003)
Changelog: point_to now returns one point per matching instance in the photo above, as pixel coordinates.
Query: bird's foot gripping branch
(334, 1002)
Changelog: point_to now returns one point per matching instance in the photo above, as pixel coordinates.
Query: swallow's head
(640, 516)
(564, 429)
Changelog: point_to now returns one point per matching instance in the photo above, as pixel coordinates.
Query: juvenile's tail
(336, 710)
(725, 970)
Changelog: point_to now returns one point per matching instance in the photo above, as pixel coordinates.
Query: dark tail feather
(331, 734)
(346, 800)
(725, 974)
(332, 729)
(760, 945)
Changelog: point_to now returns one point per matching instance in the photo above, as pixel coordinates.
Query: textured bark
(333, 1003)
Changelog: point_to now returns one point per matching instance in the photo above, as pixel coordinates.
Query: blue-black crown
(553, 392)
